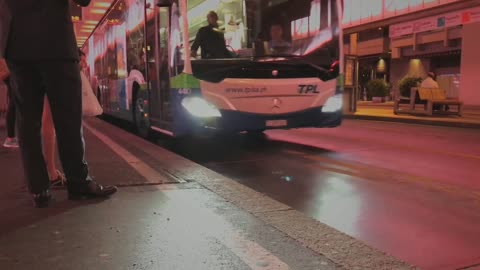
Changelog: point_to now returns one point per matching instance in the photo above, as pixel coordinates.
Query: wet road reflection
(421, 218)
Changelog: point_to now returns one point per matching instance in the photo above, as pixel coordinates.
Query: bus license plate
(276, 123)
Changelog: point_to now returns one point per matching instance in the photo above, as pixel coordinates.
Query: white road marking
(254, 255)
(150, 174)
(210, 224)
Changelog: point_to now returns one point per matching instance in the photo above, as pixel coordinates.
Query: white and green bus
(141, 65)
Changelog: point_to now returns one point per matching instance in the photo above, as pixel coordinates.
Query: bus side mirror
(163, 3)
(334, 70)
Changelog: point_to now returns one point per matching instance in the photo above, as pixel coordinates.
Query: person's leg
(10, 113)
(26, 83)
(49, 144)
(64, 91)
(63, 87)
(11, 140)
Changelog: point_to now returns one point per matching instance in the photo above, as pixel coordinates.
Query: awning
(431, 50)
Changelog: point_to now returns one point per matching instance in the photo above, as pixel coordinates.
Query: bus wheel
(141, 118)
(256, 135)
(100, 101)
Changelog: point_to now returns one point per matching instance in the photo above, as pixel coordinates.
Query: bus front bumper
(235, 121)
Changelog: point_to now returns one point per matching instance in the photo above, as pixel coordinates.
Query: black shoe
(91, 190)
(42, 199)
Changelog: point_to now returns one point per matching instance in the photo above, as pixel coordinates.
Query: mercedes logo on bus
(274, 73)
(276, 103)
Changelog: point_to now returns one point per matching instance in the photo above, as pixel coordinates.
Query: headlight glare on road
(333, 104)
(200, 108)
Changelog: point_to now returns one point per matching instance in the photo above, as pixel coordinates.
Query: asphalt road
(411, 191)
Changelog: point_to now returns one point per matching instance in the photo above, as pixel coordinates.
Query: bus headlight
(200, 108)
(333, 104)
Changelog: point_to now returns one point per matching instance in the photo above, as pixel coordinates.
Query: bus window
(260, 28)
(282, 30)
(176, 46)
(278, 43)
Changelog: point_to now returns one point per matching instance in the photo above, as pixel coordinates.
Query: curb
(343, 250)
(413, 121)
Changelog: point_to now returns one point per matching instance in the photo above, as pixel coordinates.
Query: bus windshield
(263, 29)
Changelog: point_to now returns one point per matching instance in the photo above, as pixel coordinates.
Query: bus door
(157, 30)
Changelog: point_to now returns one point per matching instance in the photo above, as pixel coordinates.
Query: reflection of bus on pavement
(281, 70)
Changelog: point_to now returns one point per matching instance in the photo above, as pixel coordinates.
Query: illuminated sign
(436, 22)
(349, 70)
(358, 12)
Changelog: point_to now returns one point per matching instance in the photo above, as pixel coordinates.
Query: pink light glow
(107, 35)
(135, 15)
(315, 17)
(300, 28)
(318, 41)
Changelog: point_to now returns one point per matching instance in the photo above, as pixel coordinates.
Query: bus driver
(277, 43)
(211, 40)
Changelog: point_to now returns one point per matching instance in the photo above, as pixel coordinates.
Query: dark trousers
(10, 112)
(61, 82)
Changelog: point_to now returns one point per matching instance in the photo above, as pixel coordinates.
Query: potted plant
(378, 89)
(406, 84)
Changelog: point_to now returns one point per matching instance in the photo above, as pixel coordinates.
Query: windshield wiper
(299, 60)
(273, 56)
(315, 66)
(291, 59)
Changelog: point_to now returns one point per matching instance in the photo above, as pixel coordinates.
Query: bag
(4, 72)
(90, 105)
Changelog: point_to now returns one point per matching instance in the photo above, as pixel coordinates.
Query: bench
(436, 96)
(399, 101)
(409, 101)
(428, 98)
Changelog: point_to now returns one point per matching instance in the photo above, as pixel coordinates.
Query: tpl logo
(307, 88)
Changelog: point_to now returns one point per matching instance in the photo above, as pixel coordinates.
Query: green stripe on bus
(341, 79)
(184, 81)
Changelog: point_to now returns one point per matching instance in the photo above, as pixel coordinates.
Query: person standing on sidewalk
(46, 27)
(57, 178)
(11, 141)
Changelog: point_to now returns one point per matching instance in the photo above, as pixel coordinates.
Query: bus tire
(257, 135)
(141, 118)
(100, 100)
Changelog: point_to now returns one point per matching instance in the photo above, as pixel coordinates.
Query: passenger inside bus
(211, 40)
(277, 43)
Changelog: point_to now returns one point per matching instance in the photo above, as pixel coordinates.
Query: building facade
(396, 38)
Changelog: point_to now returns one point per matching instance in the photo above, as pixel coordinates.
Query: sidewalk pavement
(169, 213)
(384, 112)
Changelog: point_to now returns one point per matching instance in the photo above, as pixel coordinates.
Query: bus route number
(184, 91)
